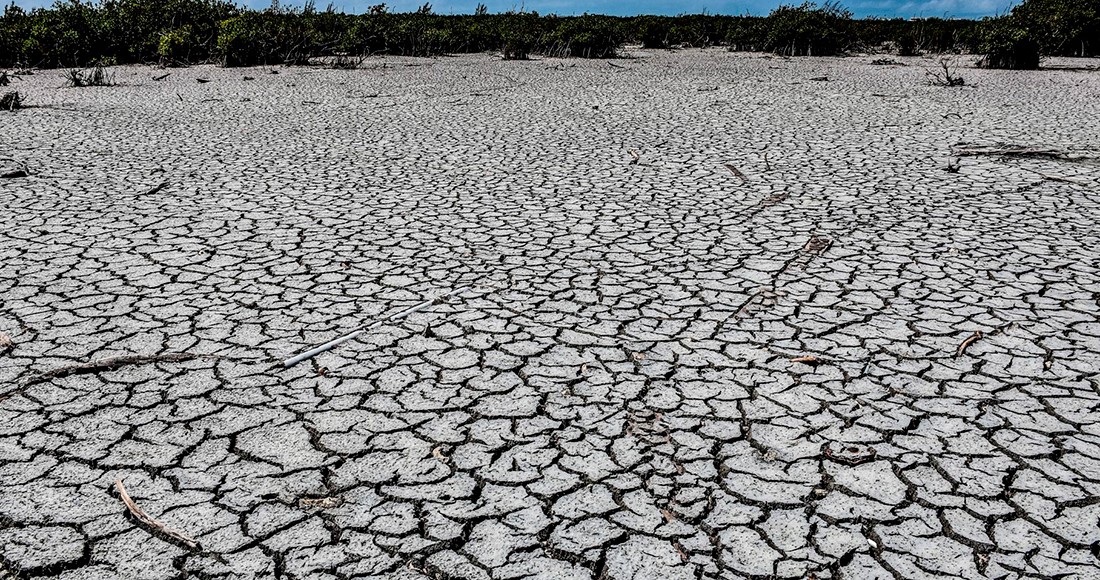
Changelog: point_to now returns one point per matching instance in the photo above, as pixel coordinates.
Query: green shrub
(75, 33)
(1008, 45)
(808, 30)
(587, 36)
(653, 31)
(519, 35)
(1061, 27)
(748, 35)
(174, 46)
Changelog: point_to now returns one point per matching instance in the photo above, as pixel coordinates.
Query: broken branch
(156, 526)
(737, 172)
(969, 341)
(110, 364)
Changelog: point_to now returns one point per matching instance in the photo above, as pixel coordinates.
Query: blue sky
(904, 8)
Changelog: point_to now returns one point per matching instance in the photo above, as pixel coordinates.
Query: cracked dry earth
(615, 396)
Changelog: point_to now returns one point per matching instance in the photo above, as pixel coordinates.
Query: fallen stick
(161, 77)
(737, 172)
(110, 364)
(966, 343)
(337, 342)
(20, 169)
(140, 515)
(1018, 151)
(1061, 179)
(156, 188)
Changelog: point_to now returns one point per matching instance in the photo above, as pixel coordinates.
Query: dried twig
(110, 364)
(156, 188)
(1062, 179)
(19, 171)
(944, 78)
(161, 77)
(737, 172)
(156, 526)
(969, 341)
(808, 360)
(1016, 151)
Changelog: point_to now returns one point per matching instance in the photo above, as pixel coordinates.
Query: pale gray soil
(615, 397)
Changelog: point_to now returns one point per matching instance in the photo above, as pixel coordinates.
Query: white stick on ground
(337, 342)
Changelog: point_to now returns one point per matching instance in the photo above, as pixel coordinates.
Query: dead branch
(20, 169)
(1062, 179)
(737, 172)
(157, 188)
(110, 364)
(969, 341)
(156, 526)
(945, 77)
(1016, 151)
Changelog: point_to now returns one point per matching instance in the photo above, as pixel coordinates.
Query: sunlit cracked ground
(615, 397)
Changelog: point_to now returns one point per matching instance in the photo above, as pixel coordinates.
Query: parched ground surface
(615, 396)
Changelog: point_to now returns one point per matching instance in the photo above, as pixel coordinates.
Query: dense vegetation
(172, 32)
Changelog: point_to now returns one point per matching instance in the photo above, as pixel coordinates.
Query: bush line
(74, 33)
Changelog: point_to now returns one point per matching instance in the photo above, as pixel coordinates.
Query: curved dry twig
(156, 525)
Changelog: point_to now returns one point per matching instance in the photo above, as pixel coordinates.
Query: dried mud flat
(779, 339)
